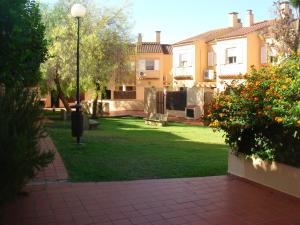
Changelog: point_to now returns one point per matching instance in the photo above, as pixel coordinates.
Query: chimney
(233, 20)
(285, 9)
(158, 36)
(249, 18)
(140, 39)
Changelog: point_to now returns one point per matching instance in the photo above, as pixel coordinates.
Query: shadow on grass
(127, 149)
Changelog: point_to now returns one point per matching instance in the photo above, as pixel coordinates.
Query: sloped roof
(208, 36)
(246, 30)
(154, 47)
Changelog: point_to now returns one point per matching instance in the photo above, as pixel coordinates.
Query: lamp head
(78, 10)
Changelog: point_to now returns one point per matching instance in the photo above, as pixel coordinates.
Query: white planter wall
(278, 176)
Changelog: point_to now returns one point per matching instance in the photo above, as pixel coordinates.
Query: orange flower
(279, 119)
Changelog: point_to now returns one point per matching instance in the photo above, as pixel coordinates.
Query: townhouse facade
(216, 58)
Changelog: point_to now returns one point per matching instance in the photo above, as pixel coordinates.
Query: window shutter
(210, 59)
(142, 65)
(263, 55)
(156, 64)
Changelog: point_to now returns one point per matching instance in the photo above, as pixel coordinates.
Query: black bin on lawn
(77, 124)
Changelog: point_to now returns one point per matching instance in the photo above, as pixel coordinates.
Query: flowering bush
(261, 117)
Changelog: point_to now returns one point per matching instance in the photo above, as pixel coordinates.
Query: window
(231, 55)
(231, 59)
(273, 59)
(130, 88)
(273, 56)
(150, 64)
(184, 60)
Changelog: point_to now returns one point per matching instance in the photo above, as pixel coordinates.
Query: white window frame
(231, 55)
(184, 60)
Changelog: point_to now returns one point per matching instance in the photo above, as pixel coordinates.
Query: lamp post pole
(77, 79)
(77, 11)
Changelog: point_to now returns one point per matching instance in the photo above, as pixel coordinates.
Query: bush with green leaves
(261, 117)
(20, 154)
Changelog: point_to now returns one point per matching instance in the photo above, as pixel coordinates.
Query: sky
(181, 19)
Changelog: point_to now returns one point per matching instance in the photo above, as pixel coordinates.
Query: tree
(283, 32)
(23, 46)
(296, 4)
(98, 47)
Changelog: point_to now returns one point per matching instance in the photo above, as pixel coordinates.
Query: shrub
(20, 154)
(261, 117)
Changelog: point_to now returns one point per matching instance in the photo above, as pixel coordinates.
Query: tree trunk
(95, 110)
(61, 94)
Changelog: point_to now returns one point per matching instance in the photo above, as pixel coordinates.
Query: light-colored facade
(217, 57)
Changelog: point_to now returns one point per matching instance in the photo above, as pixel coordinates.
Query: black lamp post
(78, 11)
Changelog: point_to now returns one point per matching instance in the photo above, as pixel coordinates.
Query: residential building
(153, 65)
(219, 56)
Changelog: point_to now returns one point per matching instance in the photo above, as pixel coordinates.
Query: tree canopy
(104, 41)
(23, 46)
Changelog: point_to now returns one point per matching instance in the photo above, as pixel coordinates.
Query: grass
(127, 149)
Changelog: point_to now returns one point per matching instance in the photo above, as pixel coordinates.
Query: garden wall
(121, 105)
(278, 176)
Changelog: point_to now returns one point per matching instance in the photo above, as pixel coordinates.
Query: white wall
(189, 70)
(223, 68)
(236, 68)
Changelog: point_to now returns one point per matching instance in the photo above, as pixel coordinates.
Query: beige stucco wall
(274, 175)
(155, 78)
(254, 45)
(122, 105)
(167, 69)
(200, 60)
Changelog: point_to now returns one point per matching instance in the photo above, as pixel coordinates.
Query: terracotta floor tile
(220, 200)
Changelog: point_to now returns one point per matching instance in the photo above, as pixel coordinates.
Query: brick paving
(55, 171)
(220, 200)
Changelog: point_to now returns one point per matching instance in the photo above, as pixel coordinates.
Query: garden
(127, 149)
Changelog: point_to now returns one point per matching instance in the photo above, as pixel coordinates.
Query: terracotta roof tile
(153, 47)
(208, 36)
(246, 30)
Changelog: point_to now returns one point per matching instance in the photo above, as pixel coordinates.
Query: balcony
(184, 73)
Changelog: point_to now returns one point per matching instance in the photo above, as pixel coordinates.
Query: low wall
(122, 105)
(278, 176)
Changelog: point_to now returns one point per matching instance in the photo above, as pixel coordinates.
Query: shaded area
(193, 201)
(126, 149)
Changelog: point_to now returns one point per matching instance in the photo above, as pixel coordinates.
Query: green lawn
(127, 149)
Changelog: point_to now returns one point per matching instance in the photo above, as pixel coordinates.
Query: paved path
(55, 172)
(197, 201)
(221, 200)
